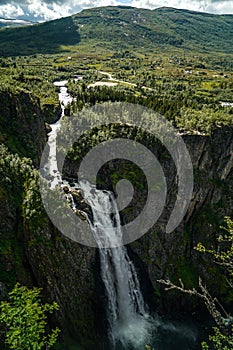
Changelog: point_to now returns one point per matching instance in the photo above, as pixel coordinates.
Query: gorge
(129, 324)
(69, 273)
(110, 298)
(124, 297)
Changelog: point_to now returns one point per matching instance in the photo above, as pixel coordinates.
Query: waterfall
(130, 326)
(129, 321)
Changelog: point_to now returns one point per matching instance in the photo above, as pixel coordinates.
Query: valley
(54, 78)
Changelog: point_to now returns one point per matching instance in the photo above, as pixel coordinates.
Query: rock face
(173, 255)
(51, 113)
(22, 126)
(31, 250)
(22, 130)
(68, 273)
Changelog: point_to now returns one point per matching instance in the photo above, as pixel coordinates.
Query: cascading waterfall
(130, 325)
(129, 322)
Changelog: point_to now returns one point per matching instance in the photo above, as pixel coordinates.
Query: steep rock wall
(173, 255)
(22, 126)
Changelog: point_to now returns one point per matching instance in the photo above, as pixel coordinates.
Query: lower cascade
(129, 322)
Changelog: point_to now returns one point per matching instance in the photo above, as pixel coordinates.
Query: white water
(51, 168)
(226, 104)
(129, 322)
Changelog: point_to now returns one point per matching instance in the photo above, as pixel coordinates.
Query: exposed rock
(22, 126)
(81, 214)
(48, 128)
(52, 113)
(173, 255)
(67, 273)
(80, 201)
(66, 189)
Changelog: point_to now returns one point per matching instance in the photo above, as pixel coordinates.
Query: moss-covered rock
(52, 112)
(22, 126)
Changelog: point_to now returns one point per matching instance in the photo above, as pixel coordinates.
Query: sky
(38, 10)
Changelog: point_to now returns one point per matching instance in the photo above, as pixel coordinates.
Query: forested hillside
(125, 28)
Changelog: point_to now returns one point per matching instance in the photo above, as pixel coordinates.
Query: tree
(223, 335)
(25, 319)
(222, 339)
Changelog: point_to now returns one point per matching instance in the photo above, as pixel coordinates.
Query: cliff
(35, 253)
(22, 127)
(172, 254)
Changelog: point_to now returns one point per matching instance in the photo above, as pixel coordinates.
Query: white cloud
(218, 7)
(49, 9)
(152, 4)
(54, 10)
(10, 11)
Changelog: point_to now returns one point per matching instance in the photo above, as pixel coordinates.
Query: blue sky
(50, 9)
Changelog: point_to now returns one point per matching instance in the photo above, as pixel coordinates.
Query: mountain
(5, 22)
(160, 27)
(124, 27)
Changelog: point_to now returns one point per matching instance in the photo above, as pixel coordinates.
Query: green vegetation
(18, 184)
(219, 341)
(222, 255)
(21, 75)
(25, 318)
(126, 27)
(176, 62)
(187, 110)
(123, 28)
(204, 120)
(184, 82)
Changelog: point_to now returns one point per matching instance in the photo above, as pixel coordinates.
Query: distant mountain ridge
(162, 26)
(124, 27)
(12, 22)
